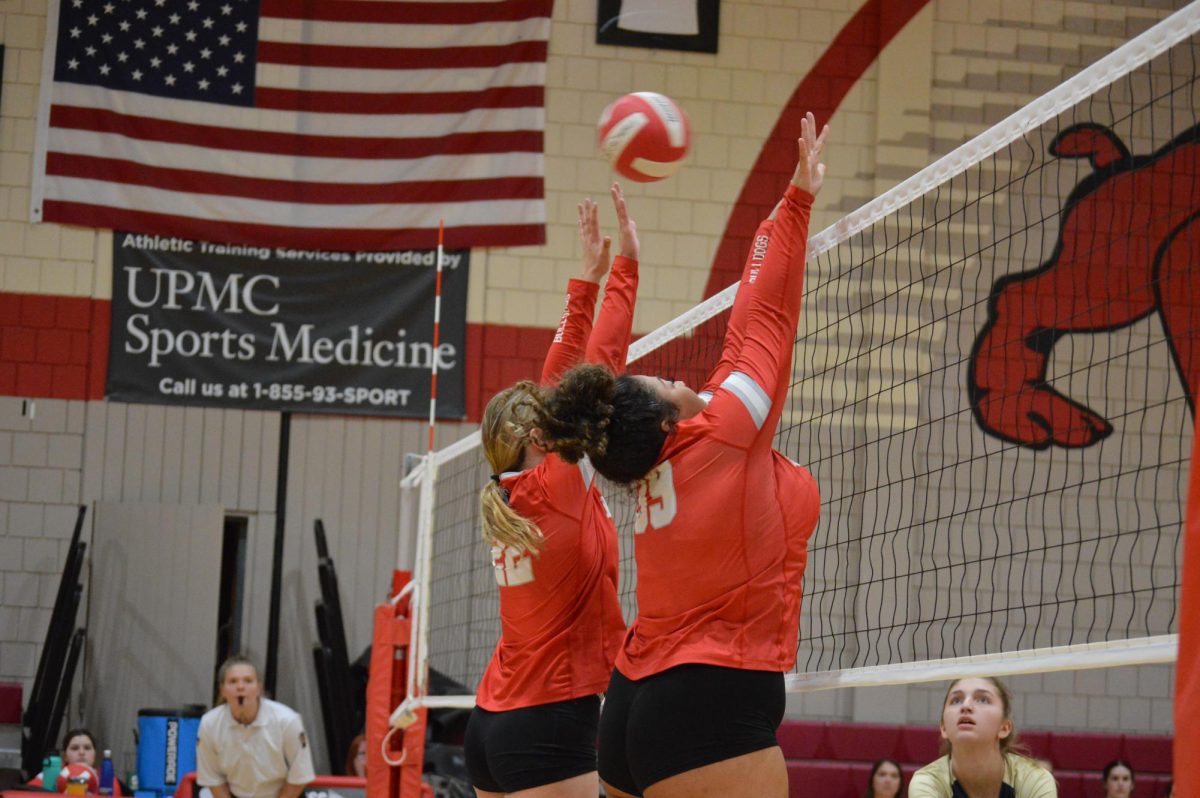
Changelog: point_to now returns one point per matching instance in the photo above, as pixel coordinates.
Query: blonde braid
(507, 428)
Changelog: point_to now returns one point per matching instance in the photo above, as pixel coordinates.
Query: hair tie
(496, 478)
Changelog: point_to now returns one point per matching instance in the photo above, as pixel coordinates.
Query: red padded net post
(386, 688)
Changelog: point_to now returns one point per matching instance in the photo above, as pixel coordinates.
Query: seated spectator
(1118, 779)
(356, 757)
(886, 781)
(78, 747)
(250, 746)
(982, 756)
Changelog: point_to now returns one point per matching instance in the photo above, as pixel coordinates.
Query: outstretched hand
(810, 172)
(627, 238)
(595, 246)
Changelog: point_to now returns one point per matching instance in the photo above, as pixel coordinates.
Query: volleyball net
(991, 386)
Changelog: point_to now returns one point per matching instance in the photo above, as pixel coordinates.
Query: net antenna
(422, 477)
(946, 545)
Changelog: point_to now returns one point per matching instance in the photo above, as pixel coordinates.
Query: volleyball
(645, 136)
(78, 779)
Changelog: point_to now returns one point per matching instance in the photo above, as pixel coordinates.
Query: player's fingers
(821, 138)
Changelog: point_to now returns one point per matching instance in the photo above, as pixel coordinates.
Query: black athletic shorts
(685, 718)
(520, 749)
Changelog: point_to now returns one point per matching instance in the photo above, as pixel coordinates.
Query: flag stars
(152, 47)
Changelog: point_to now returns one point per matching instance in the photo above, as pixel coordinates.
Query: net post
(394, 763)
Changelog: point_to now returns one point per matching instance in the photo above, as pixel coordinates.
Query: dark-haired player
(721, 534)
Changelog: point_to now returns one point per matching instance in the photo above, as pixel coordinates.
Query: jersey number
(512, 566)
(656, 499)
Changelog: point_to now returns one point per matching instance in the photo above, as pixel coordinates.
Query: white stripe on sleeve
(752, 395)
(588, 471)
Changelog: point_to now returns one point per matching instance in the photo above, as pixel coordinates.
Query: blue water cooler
(166, 748)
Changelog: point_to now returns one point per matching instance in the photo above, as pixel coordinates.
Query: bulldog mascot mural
(1128, 246)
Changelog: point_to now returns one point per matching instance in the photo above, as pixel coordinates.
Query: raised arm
(761, 352)
(735, 331)
(609, 344)
(774, 306)
(575, 326)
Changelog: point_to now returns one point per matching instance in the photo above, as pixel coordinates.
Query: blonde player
(980, 740)
(554, 549)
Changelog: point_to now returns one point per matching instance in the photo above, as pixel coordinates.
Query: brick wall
(41, 457)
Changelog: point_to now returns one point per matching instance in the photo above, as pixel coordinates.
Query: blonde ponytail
(507, 428)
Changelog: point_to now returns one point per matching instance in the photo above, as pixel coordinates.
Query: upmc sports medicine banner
(256, 327)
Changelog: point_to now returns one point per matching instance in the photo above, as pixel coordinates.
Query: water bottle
(51, 767)
(106, 774)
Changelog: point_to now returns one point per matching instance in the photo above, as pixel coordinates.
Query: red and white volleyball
(78, 779)
(645, 136)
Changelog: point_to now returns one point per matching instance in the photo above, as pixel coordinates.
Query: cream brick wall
(956, 69)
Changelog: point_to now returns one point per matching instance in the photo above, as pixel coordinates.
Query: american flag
(316, 124)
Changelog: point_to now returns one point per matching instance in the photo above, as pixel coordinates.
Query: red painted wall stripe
(56, 347)
(821, 91)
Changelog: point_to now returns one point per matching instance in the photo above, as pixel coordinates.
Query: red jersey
(560, 618)
(723, 521)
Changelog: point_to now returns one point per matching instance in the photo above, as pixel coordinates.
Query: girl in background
(1118, 779)
(886, 780)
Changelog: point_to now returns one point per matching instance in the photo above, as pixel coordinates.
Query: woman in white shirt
(250, 746)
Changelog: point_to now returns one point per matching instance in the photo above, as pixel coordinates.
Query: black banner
(281, 329)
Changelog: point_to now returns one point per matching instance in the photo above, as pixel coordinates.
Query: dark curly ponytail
(616, 421)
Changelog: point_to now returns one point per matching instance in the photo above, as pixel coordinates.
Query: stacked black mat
(56, 667)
